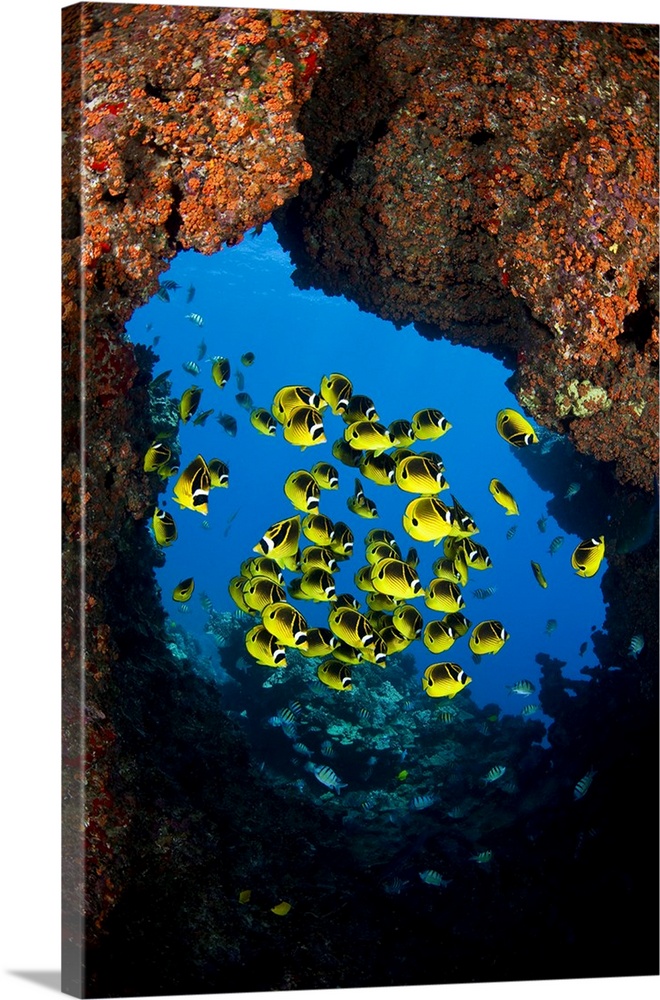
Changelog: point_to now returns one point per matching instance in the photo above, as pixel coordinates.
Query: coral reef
(495, 182)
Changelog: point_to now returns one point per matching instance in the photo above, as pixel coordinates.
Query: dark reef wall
(489, 181)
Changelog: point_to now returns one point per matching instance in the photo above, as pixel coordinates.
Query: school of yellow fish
(309, 544)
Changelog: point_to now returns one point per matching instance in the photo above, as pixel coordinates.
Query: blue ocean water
(249, 302)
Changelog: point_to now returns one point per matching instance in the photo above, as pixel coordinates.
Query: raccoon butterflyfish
(260, 591)
(157, 455)
(588, 555)
(433, 456)
(394, 641)
(265, 648)
(513, 427)
(488, 637)
(262, 421)
(302, 490)
(461, 566)
(381, 602)
(538, 574)
(295, 590)
(396, 579)
(304, 427)
(282, 908)
(191, 367)
(220, 371)
(201, 418)
(326, 476)
(342, 451)
(365, 435)
(262, 566)
(318, 529)
(184, 590)
(351, 627)
(380, 469)
(244, 399)
(427, 519)
(476, 555)
(219, 473)
(360, 504)
(195, 318)
(362, 579)
(318, 585)
(247, 359)
(502, 496)
(235, 588)
(376, 651)
(444, 680)
(189, 402)
(444, 569)
(412, 558)
(317, 557)
(320, 642)
(336, 390)
(289, 397)
(280, 542)
(402, 433)
(191, 489)
(429, 424)
(168, 469)
(419, 475)
(464, 524)
(376, 551)
(399, 454)
(286, 623)
(228, 423)
(342, 540)
(443, 595)
(438, 636)
(345, 653)
(458, 622)
(380, 535)
(164, 528)
(408, 621)
(335, 675)
(360, 408)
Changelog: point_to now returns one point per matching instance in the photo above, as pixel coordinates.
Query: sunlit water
(249, 303)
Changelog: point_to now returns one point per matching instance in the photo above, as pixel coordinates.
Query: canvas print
(360, 499)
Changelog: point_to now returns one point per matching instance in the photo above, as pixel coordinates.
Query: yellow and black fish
(189, 402)
(220, 371)
(458, 622)
(380, 469)
(415, 474)
(164, 528)
(247, 359)
(375, 551)
(262, 421)
(427, 519)
(360, 504)
(318, 529)
(365, 435)
(488, 637)
(235, 588)
(302, 490)
(360, 408)
(219, 473)
(444, 680)
(286, 623)
(445, 569)
(402, 433)
(184, 590)
(326, 476)
(289, 397)
(513, 427)
(362, 579)
(412, 557)
(262, 566)
(264, 647)
(399, 454)
(342, 451)
(380, 535)
(191, 489)
(396, 579)
(381, 602)
(463, 521)
(351, 627)
(260, 591)
(336, 390)
(342, 540)
(318, 557)
(157, 455)
(345, 653)
(588, 555)
(318, 585)
(280, 542)
(394, 641)
(503, 497)
(408, 621)
(538, 574)
(376, 651)
(476, 555)
(439, 636)
(320, 642)
(304, 427)
(429, 424)
(335, 675)
(168, 469)
(443, 595)
(461, 566)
